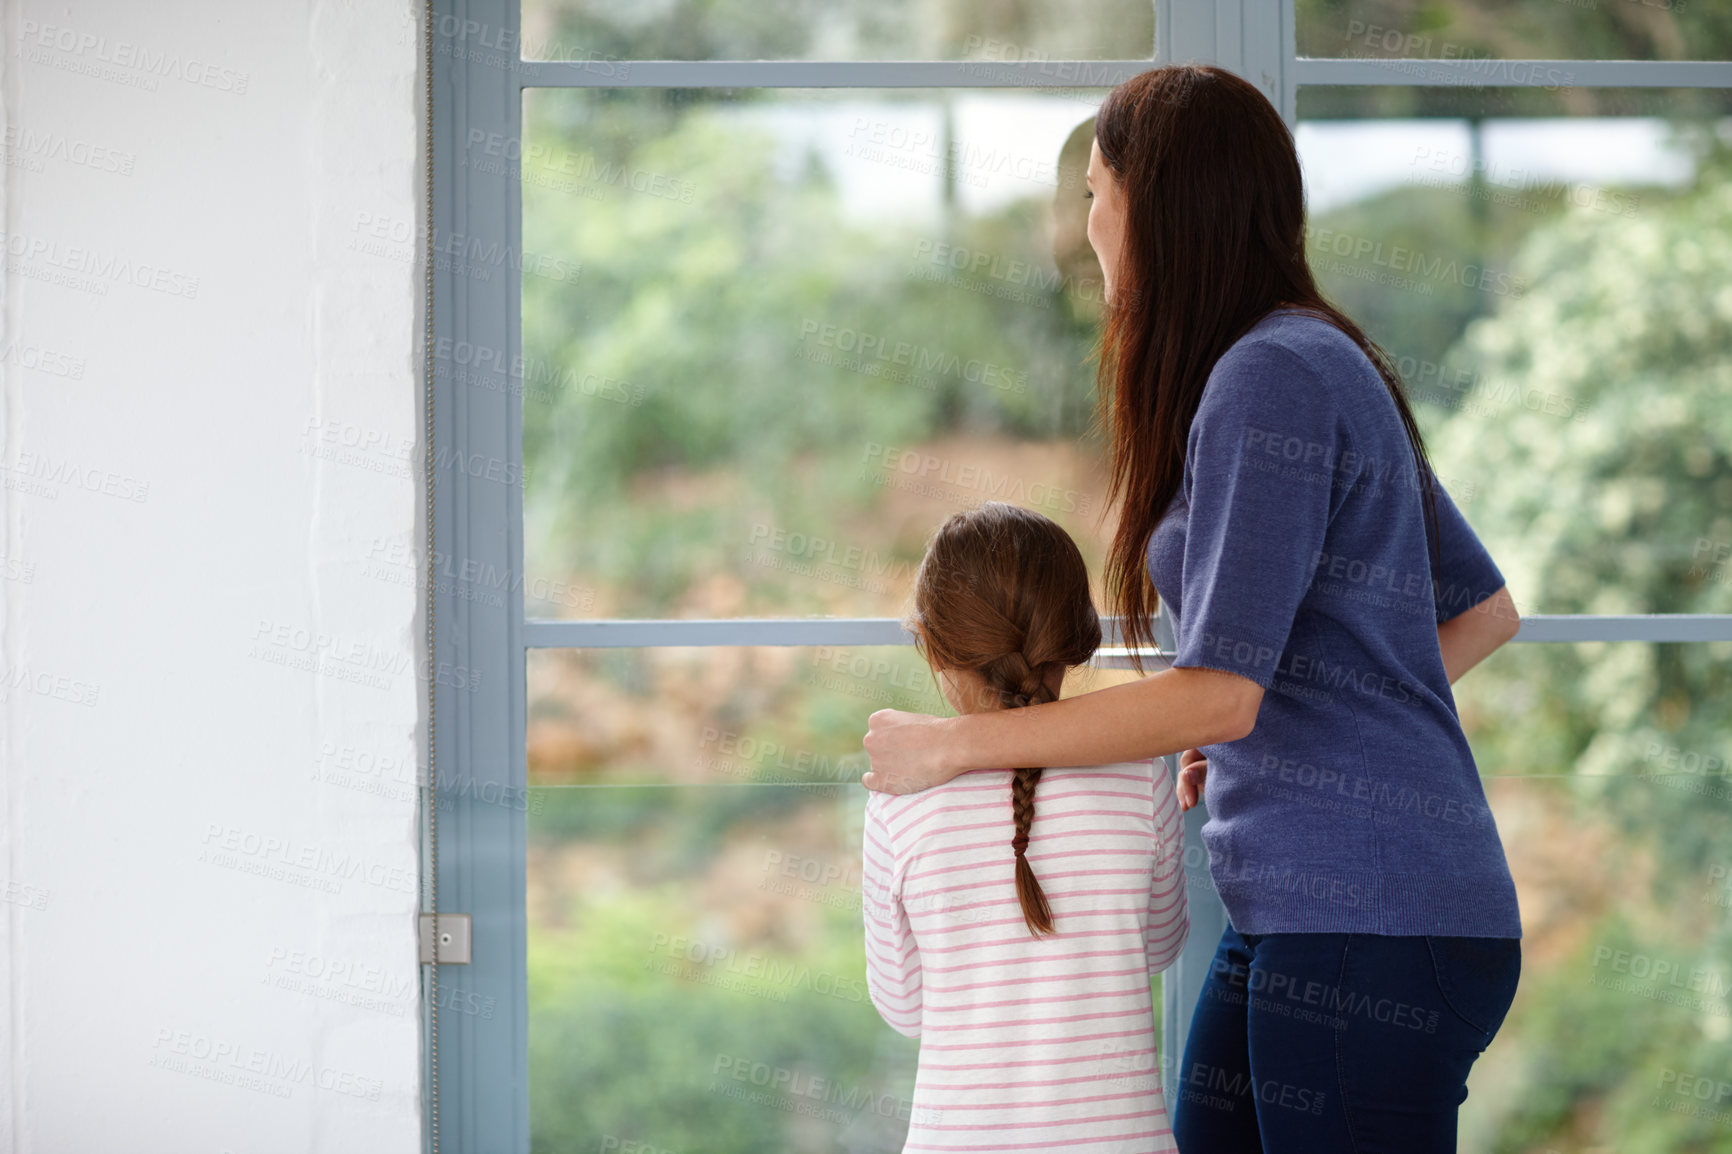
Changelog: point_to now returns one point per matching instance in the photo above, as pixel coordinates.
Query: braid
(1035, 910)
(1020, 684)
(1003, 593)
(1019, 681)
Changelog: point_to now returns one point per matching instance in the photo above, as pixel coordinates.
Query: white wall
(208, 603)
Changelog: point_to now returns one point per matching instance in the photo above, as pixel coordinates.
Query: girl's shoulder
(969, 786)
(973, 781)
(1148, 770)
(1143, 767)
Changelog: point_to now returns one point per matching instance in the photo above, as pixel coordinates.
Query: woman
(1325, 592)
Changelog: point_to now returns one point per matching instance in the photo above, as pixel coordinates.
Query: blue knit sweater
(1295, 555)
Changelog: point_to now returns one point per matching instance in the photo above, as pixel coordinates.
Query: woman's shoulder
(1294, 343)
(1290, 369)
(1303, 333)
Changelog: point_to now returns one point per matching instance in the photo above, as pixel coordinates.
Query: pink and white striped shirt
(1028, 1044)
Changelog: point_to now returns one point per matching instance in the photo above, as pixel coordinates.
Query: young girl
(1013, 916)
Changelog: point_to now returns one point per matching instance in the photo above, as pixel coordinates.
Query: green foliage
(842, 29)
(636, 1040)
(1600, 504)
(1514, 29)
(738, 319)
(653, 1023)
(1607, 464)
(1633, 325)
(1595, 425)
(1487, 32)
(1407, 264)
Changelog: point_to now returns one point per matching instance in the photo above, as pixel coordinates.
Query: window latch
(453, 930)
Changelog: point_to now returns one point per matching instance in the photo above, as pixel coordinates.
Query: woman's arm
(1471, 636)
(1172, 710)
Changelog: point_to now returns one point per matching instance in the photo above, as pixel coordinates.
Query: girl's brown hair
(1213, 241)
(1003, 592)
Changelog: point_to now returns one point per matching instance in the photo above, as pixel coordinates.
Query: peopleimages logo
(969, 477)
(1397, 258)
(1380, 796)
(100, 266)
(754, 971)
(89, 49)
(38, 146)
(885, 352)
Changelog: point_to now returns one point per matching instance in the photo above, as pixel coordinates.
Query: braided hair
(1003, 592)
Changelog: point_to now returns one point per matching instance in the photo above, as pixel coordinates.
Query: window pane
(1514, 29)
(1552, 289)
(1624, 1010)
(773, 338)
(622, 30)
(1623, 867)
(723, 715)
(696, 971)
(685, 995)
(694, 948)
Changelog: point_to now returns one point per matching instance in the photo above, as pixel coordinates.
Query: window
(735, 301)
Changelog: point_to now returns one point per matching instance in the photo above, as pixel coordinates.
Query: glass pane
(684, 995)
(725, 715)
(1492, 30)
(1620, 1036)
(607, 31)
(801, 329)
(1608, 776)
(696, 968)
(1552, 289)
(695, 955)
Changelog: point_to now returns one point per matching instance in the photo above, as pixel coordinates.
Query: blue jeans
(1339, 1043)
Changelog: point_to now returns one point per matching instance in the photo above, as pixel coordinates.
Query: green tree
(1606, 480)
(725, 324)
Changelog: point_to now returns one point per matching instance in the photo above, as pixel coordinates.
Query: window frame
(479, 651)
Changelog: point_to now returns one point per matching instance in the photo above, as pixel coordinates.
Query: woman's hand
(906, 751)
(1193, 770)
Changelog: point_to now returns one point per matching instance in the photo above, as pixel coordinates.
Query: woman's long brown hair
(1003, 592)
(1213, 241)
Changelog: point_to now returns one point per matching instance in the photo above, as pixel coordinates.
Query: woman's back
(1028, 1043)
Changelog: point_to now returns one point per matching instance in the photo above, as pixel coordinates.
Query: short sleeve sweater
(1295, 555)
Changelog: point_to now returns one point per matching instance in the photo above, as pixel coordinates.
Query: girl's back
(1028, 1043)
